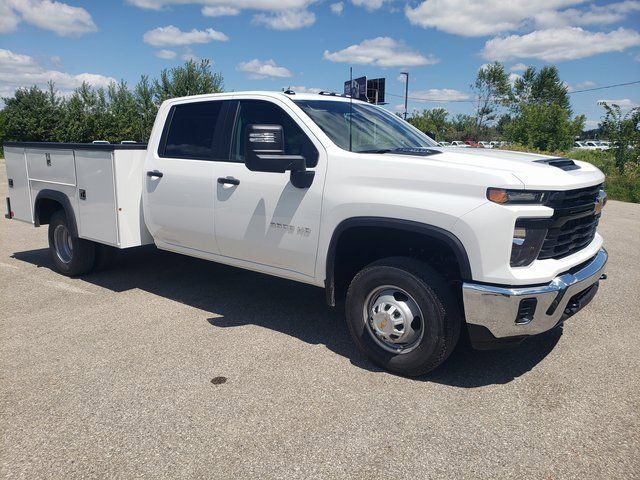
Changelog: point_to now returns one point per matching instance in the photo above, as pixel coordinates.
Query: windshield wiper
(422, 151)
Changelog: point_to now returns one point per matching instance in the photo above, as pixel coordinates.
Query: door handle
(228, 181)
(155, 173)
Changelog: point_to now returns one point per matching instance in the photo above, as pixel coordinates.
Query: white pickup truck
(423, 243)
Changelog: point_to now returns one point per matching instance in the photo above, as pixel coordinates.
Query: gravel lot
(110, 376)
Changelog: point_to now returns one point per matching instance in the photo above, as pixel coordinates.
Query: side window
(190, 131)
(252, 112)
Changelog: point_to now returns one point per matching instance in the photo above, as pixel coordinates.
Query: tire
(72, 256)
(423, 300)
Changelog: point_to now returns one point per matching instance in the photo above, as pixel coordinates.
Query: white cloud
(302, 89)
(17, 70)
(594, 15)
(166, 54)
(266, 5)
(585, 84)
(58, 17)
(556, 45)
(220, 11)
(518, 67)
(491, 17)
(381, 52)
(623, 103)
(257, 69)
(637, 57)
(369, 4)
(438, 95)
(480, 17)
(188, 55)
(8, 18)
(337, 8)
(173, 36)
(513, 77)
(287, 20)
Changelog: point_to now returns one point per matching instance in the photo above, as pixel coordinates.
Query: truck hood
(531, 169)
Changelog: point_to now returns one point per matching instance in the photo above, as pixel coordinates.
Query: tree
(432, 121)
(541, 111)
(31, 115)
(623, 130)
(463, 127)
(493, 91)
(543, 87)
(545, 127)
(145, 106)
(190, 79)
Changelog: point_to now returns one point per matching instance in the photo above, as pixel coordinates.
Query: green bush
(623, 186)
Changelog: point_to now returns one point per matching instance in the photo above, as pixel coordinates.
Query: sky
(309, 45)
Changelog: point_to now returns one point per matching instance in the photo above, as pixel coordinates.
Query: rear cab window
(189, 131)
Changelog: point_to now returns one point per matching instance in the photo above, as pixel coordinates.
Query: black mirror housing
(264, 150)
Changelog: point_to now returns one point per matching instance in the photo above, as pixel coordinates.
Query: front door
(179, 183)
(261, 217)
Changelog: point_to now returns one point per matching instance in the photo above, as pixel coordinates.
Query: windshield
(372, 128)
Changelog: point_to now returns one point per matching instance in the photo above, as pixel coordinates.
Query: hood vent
(561, 163)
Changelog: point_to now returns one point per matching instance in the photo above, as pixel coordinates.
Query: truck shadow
(237, 297)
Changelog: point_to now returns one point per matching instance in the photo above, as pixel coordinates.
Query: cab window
(252, 112)
(190, 130)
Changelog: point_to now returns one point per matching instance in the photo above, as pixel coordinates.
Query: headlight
(526, 244)
(503, 196)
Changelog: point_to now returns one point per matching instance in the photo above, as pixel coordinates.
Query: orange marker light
(497, 195)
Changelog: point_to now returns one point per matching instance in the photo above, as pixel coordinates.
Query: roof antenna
(350, 107)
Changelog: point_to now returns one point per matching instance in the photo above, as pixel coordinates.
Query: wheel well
(45, 208)
(359, 246)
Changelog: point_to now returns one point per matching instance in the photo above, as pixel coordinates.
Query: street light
(406, 92)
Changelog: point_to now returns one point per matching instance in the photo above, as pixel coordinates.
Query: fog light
(526, 311)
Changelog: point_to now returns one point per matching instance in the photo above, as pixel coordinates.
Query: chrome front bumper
(499, 309)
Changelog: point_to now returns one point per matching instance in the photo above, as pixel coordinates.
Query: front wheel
(71, 255)
(403, 316)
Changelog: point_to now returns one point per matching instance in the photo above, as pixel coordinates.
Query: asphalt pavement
(166, 366)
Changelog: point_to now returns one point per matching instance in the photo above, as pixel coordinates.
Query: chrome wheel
(62, 243)
(393, 319)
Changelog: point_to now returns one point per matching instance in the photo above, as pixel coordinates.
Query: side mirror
(264, 151)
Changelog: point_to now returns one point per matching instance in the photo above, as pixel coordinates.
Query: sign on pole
(375, 90)
(357, 88)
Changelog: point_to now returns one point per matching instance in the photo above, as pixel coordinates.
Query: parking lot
(111, 376)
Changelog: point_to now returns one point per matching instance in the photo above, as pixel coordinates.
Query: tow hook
(603, 276)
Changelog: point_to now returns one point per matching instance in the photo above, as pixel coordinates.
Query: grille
(582, 197)
(574, 222)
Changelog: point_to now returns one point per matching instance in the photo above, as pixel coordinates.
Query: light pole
(406, 92)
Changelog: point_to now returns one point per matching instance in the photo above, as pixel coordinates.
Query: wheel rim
(62, 242)
(393, 319)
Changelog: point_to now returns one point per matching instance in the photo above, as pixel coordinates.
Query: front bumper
(522, 311)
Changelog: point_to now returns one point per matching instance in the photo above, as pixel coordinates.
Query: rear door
(179, 182)
(261, 217)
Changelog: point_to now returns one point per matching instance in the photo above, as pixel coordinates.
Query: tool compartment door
(18, 191)
(51, 165)
(97, 217)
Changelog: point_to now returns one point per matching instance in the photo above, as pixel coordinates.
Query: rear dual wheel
(71, 255)
(403, 316)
